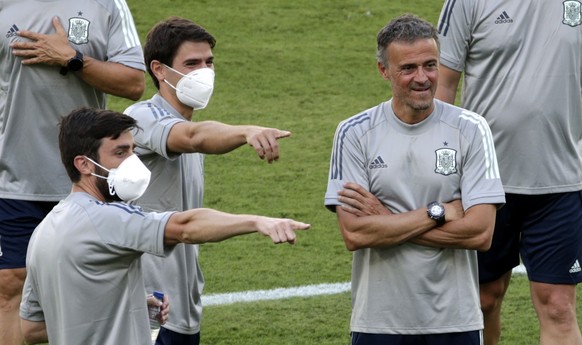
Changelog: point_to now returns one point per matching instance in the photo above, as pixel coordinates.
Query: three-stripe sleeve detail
(492, 169)
(337, 156)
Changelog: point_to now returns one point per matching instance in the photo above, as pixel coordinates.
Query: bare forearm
(382, 230)
(113, 78)
(474, 231)
(447, 85)
(206, 225)
(217, 138)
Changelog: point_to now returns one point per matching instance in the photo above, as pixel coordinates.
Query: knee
(491, 295)
(11, 283)
(557, 309)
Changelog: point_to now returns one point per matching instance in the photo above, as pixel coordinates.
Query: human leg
(555, 305)
(492, 294)
(18, 219)
(495, 267)
(552, 251)
(11, 282)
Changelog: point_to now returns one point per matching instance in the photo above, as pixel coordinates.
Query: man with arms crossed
(85, 283)
(56, 56)
(431, 169)
(179, 58)
(529, 89)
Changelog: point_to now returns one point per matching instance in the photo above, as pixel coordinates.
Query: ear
(83, 165)
(383, 71)
(158, 70)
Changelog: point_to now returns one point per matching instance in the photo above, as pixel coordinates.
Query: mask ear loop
(109, 184)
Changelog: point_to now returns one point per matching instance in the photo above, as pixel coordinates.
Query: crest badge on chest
(78, 30)
(572, 13)
(446, 161)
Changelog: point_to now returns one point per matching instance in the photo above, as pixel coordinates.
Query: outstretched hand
(359, 202)
(264, 141)
(53, 49)
(279, 229)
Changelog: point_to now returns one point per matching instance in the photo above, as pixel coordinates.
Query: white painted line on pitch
(282, 293)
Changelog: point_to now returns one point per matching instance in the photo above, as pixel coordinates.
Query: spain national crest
(78, 30)
(446, 161)
(572, 13)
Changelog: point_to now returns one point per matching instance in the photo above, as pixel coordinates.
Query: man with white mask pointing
(178, 56)
(84, 283)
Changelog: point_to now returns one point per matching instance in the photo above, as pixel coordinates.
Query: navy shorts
(167, 337)
(462, 338)
(546, 230)
(18, 219)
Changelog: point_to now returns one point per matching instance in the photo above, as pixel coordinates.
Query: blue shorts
(18, 219)
(462, 338)
(167, 337)
(546, 230)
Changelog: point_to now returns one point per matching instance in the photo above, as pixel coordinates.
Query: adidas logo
(503, 18)
(378, 163)
(576, 267)
(12, 31)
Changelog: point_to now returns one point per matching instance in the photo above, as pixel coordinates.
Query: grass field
(303, 66)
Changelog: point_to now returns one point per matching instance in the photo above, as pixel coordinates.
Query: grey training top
(84, 276)
(409, 288)
(177, 184)
(33, 98)
(523, 72)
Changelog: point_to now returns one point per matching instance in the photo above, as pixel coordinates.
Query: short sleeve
(454, 27)
(123, 45)
(155, 125)
(30, 308)
(347, 159)
(480, 182)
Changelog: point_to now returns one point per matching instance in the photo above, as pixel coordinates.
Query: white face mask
(129, 180)
(195, 88)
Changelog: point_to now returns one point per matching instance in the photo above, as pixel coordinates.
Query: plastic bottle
(155, 310)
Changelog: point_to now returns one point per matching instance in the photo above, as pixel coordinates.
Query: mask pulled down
(129, 180)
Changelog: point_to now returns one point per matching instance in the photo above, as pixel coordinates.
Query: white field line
(282, 293)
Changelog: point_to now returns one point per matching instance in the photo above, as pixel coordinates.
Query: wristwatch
(74, 64)
(436, 212)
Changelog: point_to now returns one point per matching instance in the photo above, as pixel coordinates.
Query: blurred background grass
(302, 66)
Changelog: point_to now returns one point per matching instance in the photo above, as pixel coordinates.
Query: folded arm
(473, 231)
(386, 230)
(365, 222)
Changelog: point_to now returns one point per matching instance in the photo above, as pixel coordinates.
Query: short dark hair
(83, 130)
(405, 28)
(166, 37)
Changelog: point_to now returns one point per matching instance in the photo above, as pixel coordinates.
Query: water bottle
(153, 314)
(155, 310)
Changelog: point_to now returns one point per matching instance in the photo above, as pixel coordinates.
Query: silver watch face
(436, 210)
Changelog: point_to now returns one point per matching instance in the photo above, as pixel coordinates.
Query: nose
(420, 76)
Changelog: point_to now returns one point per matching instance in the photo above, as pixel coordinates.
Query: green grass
(303, 66)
